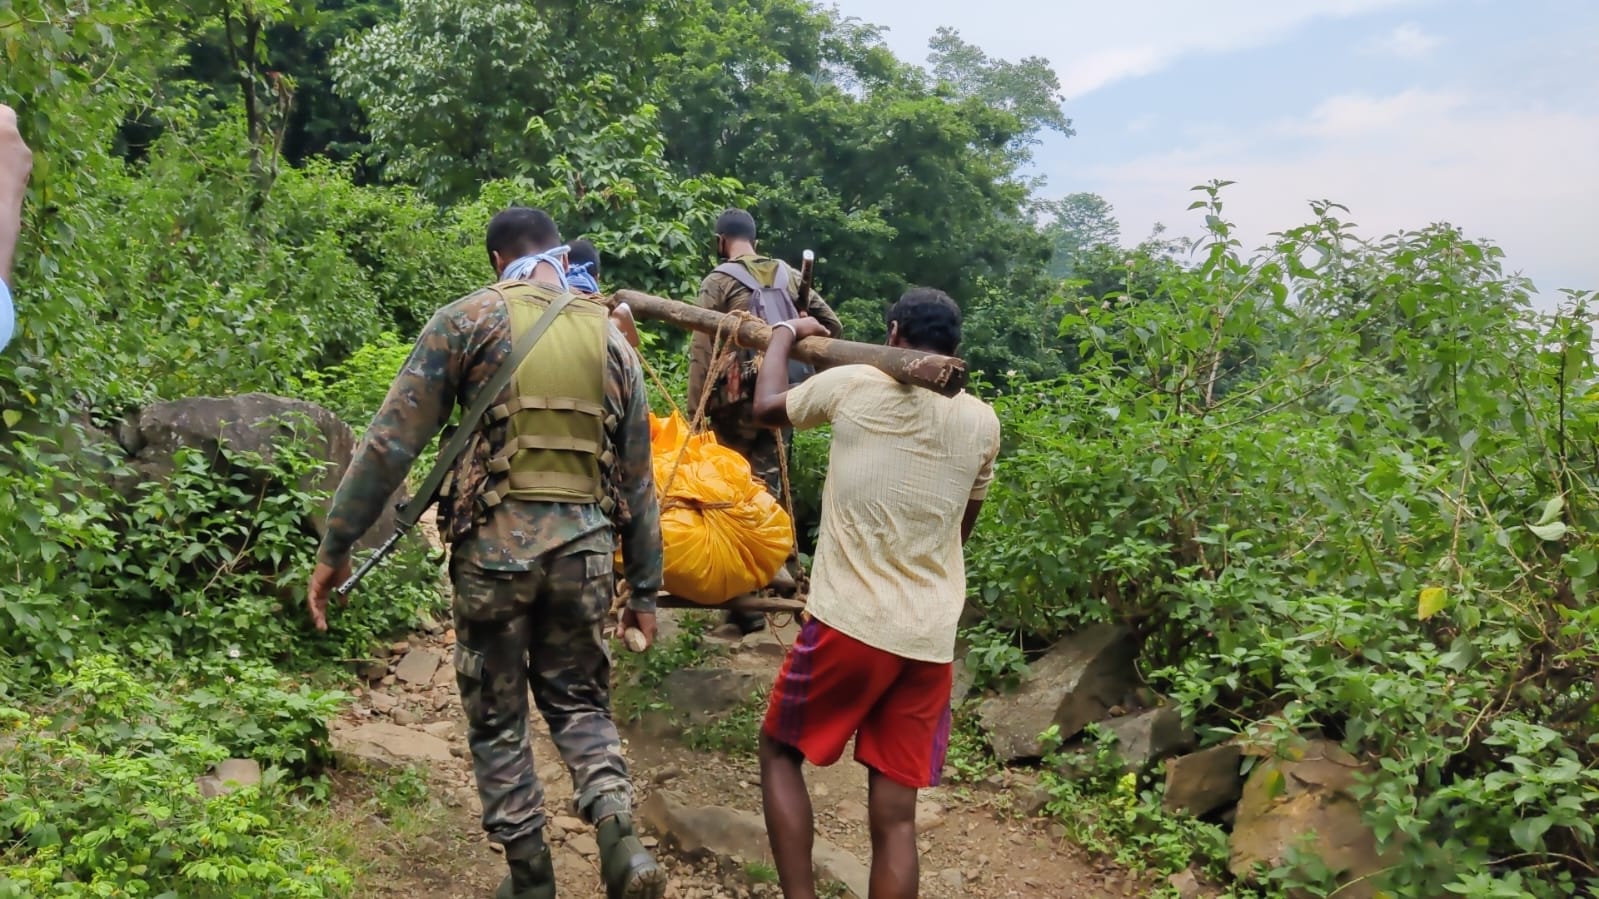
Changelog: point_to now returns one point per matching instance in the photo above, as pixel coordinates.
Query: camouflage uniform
(733, 423)
(533, 581)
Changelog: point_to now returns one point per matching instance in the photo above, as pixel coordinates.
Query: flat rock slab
(389, 745)
(1076, 682)
(1305, 802)
(1144, 738)
(729, 833)
(418, 667)
(1203, 781)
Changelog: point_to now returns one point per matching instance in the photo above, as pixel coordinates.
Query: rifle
(401, 527)
(411, 511)
(807, 270)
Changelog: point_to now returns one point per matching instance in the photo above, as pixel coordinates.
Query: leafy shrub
(995, 657)
(1342, 486)
(354, 388)
(212, 560)
(1104, 810)
(100, 799)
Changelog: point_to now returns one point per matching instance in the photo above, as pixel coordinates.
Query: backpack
(771, 305)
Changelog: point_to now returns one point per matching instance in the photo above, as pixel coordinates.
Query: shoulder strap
(786, 282)
(471, 420)
(740, 274)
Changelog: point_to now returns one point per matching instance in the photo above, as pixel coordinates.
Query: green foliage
(893, 179)
(211, 560)
(760, 872)
(291, 55)
(1082, 222)
(995, 657)
(101, 798)
(736, 732)
(969, 755)
(354, 388)
(462, 91)
(1027, 89)
(639, 675)
(1104, 811)
(1343, 486)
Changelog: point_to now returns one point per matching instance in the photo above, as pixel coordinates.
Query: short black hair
(583, 250)
(928, 320)
(519, 230)
(736, 223)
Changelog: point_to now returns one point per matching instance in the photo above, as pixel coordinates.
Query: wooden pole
(942, 374)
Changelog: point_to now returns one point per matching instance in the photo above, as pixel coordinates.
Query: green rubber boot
(626, 866)
(532, 871)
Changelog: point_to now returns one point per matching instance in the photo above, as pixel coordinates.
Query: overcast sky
(1481, 113)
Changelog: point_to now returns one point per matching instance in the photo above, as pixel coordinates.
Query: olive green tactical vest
(556, 448)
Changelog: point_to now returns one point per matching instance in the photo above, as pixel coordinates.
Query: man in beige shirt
(907, 475)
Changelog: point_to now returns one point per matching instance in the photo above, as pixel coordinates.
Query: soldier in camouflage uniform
(533, 579)
(729, 412)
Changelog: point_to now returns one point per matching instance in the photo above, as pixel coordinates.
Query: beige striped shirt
(904, 462)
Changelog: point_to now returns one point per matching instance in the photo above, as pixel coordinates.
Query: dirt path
(423, 840)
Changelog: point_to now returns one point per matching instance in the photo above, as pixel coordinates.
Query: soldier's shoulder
(474, 304)
(470, 313)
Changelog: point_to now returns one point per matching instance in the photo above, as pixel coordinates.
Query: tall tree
(1082, 222)
(461, 91)
(851, 151)
(1028, 89)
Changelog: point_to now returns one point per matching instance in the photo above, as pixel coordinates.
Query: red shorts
(833, 687)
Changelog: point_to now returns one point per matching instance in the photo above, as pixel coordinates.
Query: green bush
(1353, 497)
(212, 560)
(99, 797)
(354, 388)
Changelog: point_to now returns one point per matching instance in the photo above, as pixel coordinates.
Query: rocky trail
(700, 810)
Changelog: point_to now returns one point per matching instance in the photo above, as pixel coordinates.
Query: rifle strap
(472, 419)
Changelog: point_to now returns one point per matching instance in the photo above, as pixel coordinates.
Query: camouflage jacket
(721, 293)
(461, 348)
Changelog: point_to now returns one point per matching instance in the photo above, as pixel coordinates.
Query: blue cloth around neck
(581, 277)
(522, 269)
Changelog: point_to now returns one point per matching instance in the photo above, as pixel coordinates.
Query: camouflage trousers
(543, 629)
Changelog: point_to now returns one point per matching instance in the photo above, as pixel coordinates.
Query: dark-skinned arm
(771, 386)
(985, 477)
(974, 507)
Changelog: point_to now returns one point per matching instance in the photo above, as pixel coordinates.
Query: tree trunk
(942, 374)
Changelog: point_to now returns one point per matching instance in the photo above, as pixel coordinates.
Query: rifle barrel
(371, 562)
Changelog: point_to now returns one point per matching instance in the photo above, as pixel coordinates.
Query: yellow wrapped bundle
(724, 534)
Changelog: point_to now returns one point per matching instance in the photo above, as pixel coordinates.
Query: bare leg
(789, 825)
(16, 161)
(892, 809)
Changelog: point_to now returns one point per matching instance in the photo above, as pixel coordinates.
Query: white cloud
(1349, 115)
(1406, 42)
(1079, 76)
(1522, 177)
(1096, 44)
